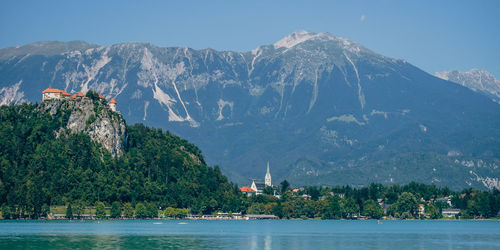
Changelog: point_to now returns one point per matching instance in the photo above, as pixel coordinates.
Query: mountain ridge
(480, 81)
(315, 102)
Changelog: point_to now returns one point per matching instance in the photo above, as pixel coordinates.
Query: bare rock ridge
(93, 118)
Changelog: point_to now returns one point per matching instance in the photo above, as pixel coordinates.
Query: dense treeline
(39, 168)
(345, 202)
(42, 164)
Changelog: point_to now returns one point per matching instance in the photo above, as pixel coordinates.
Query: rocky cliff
(93, 118)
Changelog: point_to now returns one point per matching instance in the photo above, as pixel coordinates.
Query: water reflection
(267, 242)
(251, 235)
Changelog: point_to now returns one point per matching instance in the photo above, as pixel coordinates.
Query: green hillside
(44, 163)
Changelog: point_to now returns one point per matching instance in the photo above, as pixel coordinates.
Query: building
(261, 217)
(446, 200)
(78, 95)
(268, 177)
(259, 185)
(450, 212)
(247, 190)
(112, 104)
(421, 209)
(51, 93)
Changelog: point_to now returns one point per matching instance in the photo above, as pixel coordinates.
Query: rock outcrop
(93, 118)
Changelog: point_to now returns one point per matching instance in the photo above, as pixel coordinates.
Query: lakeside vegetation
(411, 201)
(44, 169)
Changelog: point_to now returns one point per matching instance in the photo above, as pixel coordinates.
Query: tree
(406, 215)
(372, 209)
(140, 211)
(128, 210)
(69, 212)
(100, 212)
(116, 210)
(284, 186)
(6, 212)
(45, 210)
(170, 212)
(351, 208)
(152, 211)
(313, 192)
(79, 208)
(333, 210)
(407, 203)
(92, 95)
(432, 211)
(278, 209)
(268, 190)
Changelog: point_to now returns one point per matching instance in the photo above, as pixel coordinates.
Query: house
(340, 195)
(51, 93)
(421, 209)
(305, 197)
(450, 212)
(261, 217)
(229, 216)
(78, 95)
(247, 190)
(446, 199)
(258, 186)
(112, 104)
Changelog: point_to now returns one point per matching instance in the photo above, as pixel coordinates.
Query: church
(257, 186)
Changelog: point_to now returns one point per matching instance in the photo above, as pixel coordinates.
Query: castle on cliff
(51, 93)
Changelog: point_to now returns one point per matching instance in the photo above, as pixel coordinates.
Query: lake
(231, 234)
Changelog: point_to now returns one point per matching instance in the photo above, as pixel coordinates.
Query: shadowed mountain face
(321, 109)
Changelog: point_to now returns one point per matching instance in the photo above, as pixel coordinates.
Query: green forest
(38, 168)
(43, 165)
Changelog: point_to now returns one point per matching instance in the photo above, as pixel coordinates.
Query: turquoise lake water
(144, 234)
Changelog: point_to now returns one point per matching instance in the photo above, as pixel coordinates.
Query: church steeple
(268, 176)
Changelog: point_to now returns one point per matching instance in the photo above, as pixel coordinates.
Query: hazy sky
(434, 35)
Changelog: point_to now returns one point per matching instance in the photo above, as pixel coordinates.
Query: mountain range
(323, 110)
(477, 80)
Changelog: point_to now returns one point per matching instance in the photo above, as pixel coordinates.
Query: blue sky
(433, 35)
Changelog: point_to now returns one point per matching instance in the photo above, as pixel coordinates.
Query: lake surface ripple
(282, 234)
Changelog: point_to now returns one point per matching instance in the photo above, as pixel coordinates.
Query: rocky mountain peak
(477, 80)
(294, 39)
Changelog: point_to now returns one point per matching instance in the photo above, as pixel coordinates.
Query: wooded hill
(44, 163)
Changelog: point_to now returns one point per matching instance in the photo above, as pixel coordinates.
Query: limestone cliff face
(93, 118)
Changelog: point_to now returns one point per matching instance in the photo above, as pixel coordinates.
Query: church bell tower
(268, 177)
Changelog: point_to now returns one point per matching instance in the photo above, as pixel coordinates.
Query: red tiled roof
(247, 190)
(51, 90)
(112, 100)
(100, 96)
(79, 94)
(64, 93)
